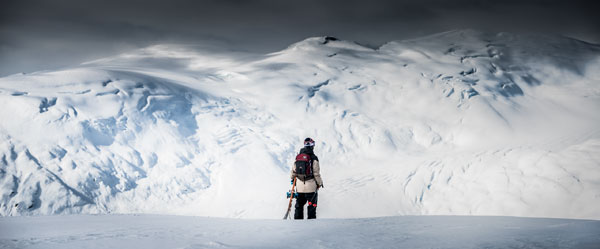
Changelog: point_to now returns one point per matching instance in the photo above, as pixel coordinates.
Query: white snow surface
(159, 231)
(457, 123)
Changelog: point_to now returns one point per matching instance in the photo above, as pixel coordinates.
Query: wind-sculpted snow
(455, 123)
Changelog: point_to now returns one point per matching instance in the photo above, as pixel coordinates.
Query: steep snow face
(456, 123)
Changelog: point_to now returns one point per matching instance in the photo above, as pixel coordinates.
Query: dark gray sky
(37, 35)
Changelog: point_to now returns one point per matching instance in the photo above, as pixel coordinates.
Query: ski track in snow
(458, 123)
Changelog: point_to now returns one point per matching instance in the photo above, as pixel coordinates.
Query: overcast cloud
(38, 35)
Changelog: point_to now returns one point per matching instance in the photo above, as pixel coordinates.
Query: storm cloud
(38, 35)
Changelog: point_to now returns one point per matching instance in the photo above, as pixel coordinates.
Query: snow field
(158, 231)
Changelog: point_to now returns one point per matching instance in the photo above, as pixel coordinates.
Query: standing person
(307, 171)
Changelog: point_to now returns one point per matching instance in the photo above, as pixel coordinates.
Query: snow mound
(458, 123)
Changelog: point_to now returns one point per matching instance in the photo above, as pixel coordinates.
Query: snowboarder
(308, 180)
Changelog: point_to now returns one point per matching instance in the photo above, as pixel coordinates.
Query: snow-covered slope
(456, 123)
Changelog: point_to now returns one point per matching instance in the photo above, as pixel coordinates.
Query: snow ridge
(458, 123)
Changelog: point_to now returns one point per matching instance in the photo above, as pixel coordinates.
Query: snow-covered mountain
(457, 123)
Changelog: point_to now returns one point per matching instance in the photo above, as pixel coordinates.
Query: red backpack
(304, 170)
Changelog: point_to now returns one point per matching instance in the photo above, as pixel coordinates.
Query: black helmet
(308, 142)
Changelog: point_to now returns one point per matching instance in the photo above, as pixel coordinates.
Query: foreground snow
(157, 231)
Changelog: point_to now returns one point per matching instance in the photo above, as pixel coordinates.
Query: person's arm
(293, 172)
(317, 173)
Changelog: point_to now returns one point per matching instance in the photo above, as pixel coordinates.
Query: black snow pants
(301, 200)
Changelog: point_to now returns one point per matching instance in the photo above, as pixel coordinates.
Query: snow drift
(457, 123)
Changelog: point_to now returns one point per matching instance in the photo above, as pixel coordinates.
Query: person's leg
(299, 211)
(312, 205)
